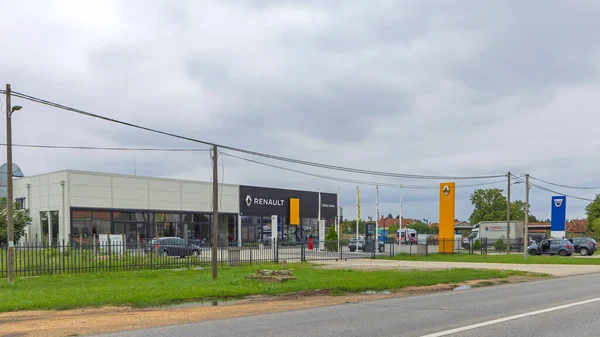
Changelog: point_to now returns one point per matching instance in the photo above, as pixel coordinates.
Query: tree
(490, 205)
(592, 210)
(21, 218)
(394, 228)
(331, 240)
(390, 216)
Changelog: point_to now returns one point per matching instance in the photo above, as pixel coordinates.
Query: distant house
(577, 226)
(387, 222)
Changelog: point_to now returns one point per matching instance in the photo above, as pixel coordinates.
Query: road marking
(509, 318)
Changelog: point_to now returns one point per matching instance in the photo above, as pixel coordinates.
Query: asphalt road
(507, 310)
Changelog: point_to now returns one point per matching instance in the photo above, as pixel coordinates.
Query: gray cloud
(453, 88)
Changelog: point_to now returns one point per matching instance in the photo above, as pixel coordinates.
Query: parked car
(352, 245)
(584, 246)
(552, 247)
(361, 244)
(173, 246)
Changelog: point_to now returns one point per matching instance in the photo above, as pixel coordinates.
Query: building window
(20, 203)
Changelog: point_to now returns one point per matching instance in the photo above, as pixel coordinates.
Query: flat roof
(123, 176)
(161, 178)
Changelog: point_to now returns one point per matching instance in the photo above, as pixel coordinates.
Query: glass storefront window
(310, 227)
(121, 216)
(100, 222)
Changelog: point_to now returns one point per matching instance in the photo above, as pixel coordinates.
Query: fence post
(109, 252)
(302, 251)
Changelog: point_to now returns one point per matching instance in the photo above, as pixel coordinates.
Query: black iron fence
(36, 258)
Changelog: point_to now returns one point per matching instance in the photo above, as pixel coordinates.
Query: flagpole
(376, 214)
(339, 220)
(400, 215)
(357, 214)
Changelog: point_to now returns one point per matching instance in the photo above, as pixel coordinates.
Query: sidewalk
(556, 270)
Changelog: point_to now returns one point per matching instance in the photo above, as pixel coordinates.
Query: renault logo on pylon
(446, 190)
(248, 200)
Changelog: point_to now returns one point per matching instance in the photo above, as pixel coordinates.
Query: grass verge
(163, 287)
(516, 258)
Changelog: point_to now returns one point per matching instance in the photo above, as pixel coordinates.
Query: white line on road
(509, 318)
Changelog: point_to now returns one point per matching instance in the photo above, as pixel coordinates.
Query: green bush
(477, 245)
(500, 245)
(331, 244)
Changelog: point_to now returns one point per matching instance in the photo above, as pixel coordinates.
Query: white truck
(494, 230)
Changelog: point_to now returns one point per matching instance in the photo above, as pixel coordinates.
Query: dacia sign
(559, 216)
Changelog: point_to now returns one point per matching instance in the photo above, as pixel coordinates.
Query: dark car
(584, 246)
(552, 247)
(173, 246)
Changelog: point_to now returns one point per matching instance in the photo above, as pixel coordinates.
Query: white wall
(99, 190)
(103, 190)
(44, 194)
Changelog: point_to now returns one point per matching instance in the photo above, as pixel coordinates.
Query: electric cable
(249, 152)
(106, 148)
(565, 186)
(551, 191)
(354, 181)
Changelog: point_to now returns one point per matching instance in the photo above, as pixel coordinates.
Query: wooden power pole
(9, 190)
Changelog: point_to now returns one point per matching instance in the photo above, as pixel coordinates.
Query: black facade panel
(265, 201)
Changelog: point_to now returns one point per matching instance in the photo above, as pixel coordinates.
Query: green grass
(501, 258)
(163, 287)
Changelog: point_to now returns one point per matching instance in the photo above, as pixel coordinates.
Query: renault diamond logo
(248, 200)
(558, 202)
(446, 190)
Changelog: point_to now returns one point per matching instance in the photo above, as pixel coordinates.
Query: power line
(107, 148)
(551, 191)
(254, 153)
(565, 186)
(354, 181)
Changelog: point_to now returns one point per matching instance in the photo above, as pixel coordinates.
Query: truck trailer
(491, 231)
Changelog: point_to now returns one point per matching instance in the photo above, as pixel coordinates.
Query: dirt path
(107, 319)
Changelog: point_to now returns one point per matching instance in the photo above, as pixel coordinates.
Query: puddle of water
(204, 304)
(463, 287)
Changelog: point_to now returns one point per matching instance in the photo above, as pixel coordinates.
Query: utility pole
(526, 227)
(9, 190)
(508, 215)
(215, 224)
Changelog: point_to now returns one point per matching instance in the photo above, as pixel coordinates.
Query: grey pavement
(557, 270)
(425, 315)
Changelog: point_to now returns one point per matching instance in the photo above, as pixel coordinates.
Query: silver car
(552, 247)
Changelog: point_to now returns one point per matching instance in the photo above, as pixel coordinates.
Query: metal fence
(36, 258)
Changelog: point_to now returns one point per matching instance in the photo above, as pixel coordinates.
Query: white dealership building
(78, 205)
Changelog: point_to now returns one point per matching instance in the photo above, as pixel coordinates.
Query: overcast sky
(457, 88)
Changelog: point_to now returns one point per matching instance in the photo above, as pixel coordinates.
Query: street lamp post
(9, 187)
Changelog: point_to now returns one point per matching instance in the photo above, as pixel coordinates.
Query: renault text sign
(559, 216)
(264, 201)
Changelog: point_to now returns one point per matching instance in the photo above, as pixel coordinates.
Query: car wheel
(532, 252)
(195, 253)
(562, 252)
(584, 252)
(352, 249)
(163, 253)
